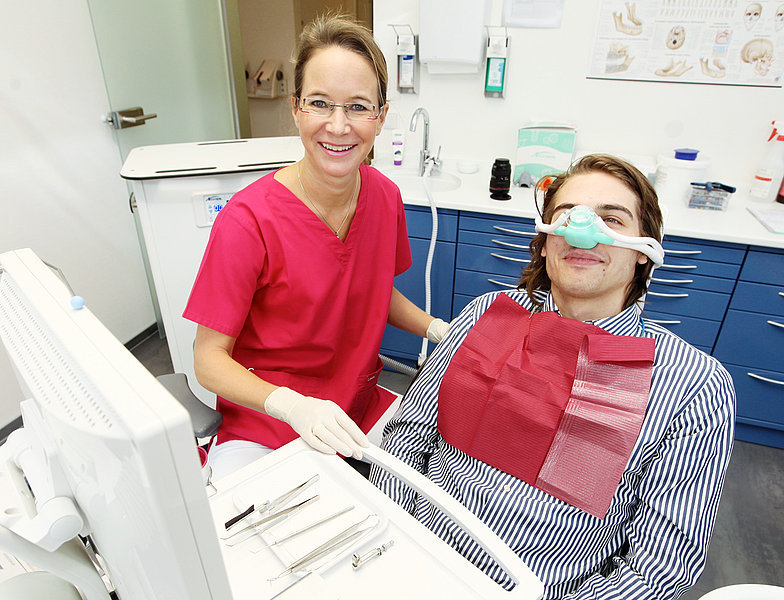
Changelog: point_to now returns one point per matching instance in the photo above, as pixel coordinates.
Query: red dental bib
(555, 402)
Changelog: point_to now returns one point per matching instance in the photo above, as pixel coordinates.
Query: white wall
(59, 166)
(546, 80)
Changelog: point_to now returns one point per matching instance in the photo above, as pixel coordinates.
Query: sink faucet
(424, 153)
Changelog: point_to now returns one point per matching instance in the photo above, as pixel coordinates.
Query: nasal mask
(581, 227)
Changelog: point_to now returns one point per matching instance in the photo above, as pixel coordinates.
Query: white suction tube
(524, 579)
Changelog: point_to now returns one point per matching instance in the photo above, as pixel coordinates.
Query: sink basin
(409, 181)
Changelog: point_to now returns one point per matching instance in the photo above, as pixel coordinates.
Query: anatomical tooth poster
(730, 42)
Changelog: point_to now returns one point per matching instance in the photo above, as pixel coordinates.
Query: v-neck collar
(331, 240)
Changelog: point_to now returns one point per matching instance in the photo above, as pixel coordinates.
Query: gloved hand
(437, 330)
(321, 423)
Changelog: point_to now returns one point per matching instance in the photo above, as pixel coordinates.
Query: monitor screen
(103, 432)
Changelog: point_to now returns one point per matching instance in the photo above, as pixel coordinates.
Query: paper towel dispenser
(269, 79)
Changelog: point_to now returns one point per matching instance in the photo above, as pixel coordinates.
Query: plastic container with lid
(676, 171)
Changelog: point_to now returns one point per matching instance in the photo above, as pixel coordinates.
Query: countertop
(736, 224)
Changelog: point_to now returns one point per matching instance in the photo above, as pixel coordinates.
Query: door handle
(130, 117)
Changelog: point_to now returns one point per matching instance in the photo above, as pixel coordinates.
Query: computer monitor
(104, 433)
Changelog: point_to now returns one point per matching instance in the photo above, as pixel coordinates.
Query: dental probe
(305, 529)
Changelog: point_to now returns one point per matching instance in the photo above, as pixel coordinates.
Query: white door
(59, 163)
(171, 59)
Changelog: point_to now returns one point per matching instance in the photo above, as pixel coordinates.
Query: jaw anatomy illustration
(674, 69)
(718, 72)
(634, 25)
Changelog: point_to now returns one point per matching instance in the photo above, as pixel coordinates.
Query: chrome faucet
(424, 153)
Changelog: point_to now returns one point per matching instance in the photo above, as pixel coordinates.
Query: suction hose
(430, 252)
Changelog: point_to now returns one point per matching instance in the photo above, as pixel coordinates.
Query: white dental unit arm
(518, 571)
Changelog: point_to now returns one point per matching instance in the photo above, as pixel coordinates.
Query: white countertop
(736, 224)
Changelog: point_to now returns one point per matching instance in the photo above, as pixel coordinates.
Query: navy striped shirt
(654, 539)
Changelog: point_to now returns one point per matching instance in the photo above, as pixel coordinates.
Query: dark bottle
(500, 176)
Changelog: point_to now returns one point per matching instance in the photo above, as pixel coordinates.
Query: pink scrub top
(307, 310)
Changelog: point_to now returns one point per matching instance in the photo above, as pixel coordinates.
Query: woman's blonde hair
(340, 30)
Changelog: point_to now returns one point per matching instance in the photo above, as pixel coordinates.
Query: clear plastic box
(710, 196)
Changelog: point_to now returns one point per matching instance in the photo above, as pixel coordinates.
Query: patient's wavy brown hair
(535, 276)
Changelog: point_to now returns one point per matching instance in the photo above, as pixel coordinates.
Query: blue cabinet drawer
(759, 297)
(698, 332)
(687, 281)
(419, 223)
(494, 224)
(411, 283)
(508, 261)
(459, 302)
(760, 394)
(694, 303)
(704, 250)
(764, 267)
(686, 265)
(751, 339)
(494, 240)
(474, 283)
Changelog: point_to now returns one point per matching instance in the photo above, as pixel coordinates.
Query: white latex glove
(321, 423)
(437, 330)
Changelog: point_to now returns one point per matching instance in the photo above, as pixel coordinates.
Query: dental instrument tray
(331, 519)
(710, 195)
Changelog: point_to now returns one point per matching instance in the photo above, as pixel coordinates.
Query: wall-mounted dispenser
(269, 80)
(407, 65)
(495, 67)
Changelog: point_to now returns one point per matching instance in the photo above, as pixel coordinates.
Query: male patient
(592, 440)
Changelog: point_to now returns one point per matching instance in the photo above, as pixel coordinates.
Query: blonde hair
(339, 30)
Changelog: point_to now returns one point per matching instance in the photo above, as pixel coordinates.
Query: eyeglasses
(355, 111)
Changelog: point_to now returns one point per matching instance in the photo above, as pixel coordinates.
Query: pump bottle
(770, 172)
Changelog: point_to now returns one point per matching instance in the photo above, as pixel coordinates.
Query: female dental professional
(296, 283)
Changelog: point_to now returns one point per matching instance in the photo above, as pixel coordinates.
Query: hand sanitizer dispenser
(407, 68)
(495, 68)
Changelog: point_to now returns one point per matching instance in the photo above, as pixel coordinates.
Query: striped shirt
(654, 539)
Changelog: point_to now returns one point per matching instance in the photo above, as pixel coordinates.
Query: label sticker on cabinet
(207, 207)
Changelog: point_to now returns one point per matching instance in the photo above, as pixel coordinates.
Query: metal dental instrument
(357, 561)
(269, 519)
(346, 536)
(270, 506)
(305, 529)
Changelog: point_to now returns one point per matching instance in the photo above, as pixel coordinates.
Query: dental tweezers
(346, 536)
(270, 506)
(269, 519)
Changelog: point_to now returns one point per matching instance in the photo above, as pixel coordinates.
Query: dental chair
(746, 591)
(205, 420)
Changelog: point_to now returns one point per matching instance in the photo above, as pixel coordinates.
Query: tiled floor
(748, 541)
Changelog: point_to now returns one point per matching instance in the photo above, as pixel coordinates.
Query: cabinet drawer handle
(765, 379)
(663, 322)
(502, 257)
(503, 284)
(668, 295)
(776, 324)
(677, 281)
(681, 267)
(781, 294)
(683, 252)
(514, 231)
(509, 244)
